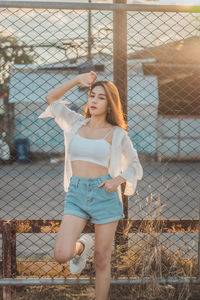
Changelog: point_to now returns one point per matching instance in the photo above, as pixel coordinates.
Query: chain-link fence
(152, 54)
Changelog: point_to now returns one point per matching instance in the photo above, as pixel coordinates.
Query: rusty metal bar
(100, 6)
(163, 226)
(199, 244)
(13, 248)
(6, 257)
(8, 230)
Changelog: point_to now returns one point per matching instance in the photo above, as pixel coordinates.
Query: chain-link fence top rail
(44, 47)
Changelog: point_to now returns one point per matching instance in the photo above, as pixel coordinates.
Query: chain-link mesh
(44, 48)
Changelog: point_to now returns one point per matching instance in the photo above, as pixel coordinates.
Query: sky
(168, 2)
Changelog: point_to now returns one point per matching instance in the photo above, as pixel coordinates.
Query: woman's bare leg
(104, 238)
(66, 246)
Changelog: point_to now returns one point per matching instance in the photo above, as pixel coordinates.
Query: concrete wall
(179, 138)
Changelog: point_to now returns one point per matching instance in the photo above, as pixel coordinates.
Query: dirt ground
(86, 292)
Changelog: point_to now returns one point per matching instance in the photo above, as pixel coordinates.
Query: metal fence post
(120, 80)
(199, 243)
(8, 254)
(6, 257)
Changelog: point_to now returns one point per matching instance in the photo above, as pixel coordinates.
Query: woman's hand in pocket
(111, 184)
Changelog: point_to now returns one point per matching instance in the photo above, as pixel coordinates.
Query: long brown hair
(114, 114)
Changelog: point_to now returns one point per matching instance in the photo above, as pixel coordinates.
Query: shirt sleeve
(63, 115)
(132, 169)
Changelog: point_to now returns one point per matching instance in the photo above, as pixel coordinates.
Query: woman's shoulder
(119, 134)
(120, 129)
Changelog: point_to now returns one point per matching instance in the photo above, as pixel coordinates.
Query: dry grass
(153, 261)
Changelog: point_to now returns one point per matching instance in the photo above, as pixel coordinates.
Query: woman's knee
(63, 255)
(102, 259)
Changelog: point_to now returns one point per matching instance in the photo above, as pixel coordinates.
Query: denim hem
(75, 213)
(108, 220)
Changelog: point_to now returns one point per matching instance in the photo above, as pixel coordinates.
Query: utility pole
(90, 40)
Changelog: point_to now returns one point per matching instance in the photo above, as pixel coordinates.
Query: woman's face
(97, 102)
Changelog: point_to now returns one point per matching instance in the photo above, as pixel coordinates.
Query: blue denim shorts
(86, 200)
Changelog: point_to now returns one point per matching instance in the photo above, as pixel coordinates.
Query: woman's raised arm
(85, 79)
(57, 108)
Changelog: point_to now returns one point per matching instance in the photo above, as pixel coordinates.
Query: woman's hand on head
(86, 79)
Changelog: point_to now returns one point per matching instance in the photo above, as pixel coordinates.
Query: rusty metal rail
(10, 228)
(52, 226)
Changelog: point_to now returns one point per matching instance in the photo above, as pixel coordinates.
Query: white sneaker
(77, 264)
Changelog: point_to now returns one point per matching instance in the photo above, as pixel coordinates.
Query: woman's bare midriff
(87, 169)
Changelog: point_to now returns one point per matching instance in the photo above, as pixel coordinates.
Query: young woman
(99, 157)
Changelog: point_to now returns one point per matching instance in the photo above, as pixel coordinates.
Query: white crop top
(93, 150)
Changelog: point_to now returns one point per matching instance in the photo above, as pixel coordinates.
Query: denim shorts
(86, 200)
